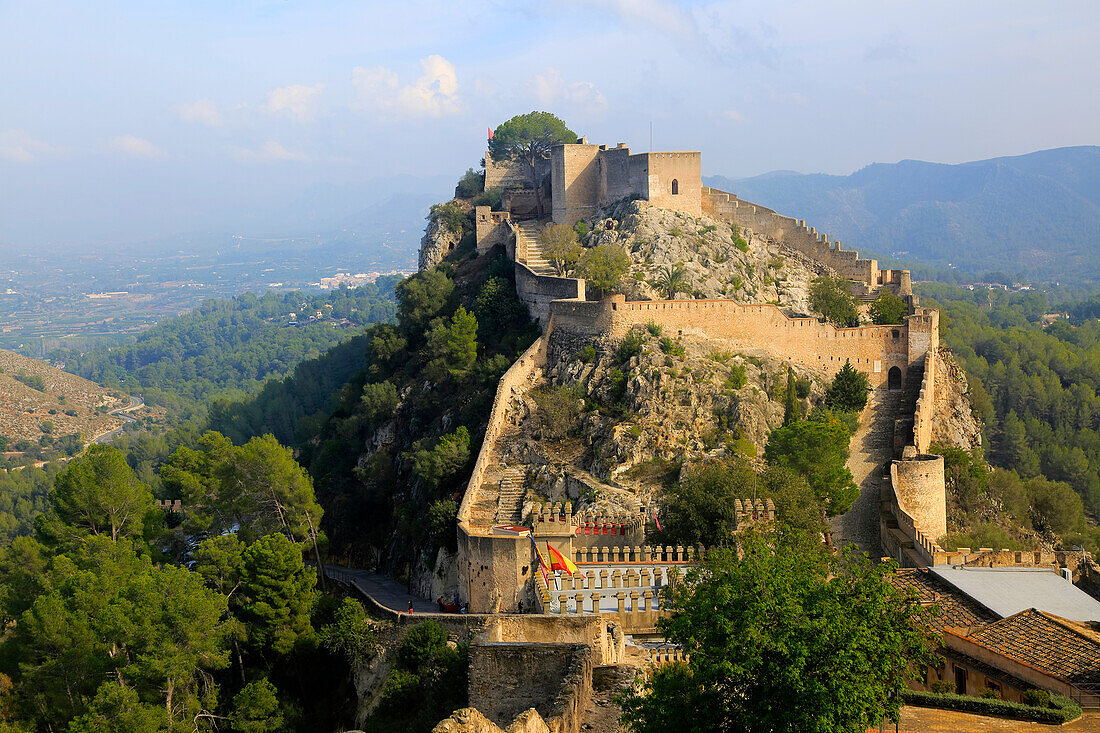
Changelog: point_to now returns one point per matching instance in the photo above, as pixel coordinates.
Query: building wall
(759, 330)
(795, 234)
(919, 484)
(538, 291)
(575, 176)
(507, 678)
(664, 168)
(491, 228)
(511, 173)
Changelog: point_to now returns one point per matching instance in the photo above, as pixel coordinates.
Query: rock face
(637, 416)
(719, 261)
(438, 240)
(953, 421)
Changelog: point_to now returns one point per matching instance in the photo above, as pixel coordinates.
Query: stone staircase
(513, 490)
(527, 240)
(871, 449)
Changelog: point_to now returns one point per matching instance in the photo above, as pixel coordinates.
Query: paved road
(383, 589)
(135, 403)
(928, 720)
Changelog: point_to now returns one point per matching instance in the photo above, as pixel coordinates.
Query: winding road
(104, 438)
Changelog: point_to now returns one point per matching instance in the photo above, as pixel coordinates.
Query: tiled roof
(1053, 645)
(956, 609)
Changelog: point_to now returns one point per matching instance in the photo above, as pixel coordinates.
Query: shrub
(630, 347)
(1036, 697)
(720, 356)
(581, 229)
(654, 328)
(737, 378)
(491, 198)
(587, 354)
(888, 309)
(848, 391)
(31, 380)
(1066, 711)
(557, 411)
(604, 266)
(471, 184)
(802, 387)
(670, 347)
(829, 296)
(559, 245)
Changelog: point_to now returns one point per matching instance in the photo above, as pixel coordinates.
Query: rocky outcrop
(719, 261)
(953, 421)
(438, 240)
(636, 419)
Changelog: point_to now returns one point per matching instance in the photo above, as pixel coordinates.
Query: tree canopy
(848, 390)
(782, 636)
(560, 247)
(529, 137)
(604, 266)
(888, 309)
(817, 450)
(829, 296)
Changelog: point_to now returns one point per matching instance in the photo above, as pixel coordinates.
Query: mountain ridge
(1035, 216)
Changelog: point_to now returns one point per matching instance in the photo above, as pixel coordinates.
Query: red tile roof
(955, 609)
(1064, 649)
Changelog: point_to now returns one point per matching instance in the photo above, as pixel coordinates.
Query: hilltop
(1034, 216)
(37, 400)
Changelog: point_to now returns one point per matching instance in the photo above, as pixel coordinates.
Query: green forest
(229, 348)
(1035, 390)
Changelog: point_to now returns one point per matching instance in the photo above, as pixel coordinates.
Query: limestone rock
(717, 265)
(953, 421)
(438, 240)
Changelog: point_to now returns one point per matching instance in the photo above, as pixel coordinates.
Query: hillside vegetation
(39, 405)
(1035, 390)
(229, 348)
(1032, 216)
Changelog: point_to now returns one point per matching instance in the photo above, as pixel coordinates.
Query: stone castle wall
(761, 330)
(683, 168)
(491, 228)
(511, 173)
(795, 234)
(538, 291)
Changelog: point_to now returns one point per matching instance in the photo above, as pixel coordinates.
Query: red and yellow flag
(559, 561)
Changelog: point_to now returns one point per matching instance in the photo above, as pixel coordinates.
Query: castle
(581, 620)
(580, 179)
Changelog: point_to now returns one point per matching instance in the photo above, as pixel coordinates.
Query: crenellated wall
(491, 228)
(795, 234)
(762, 330)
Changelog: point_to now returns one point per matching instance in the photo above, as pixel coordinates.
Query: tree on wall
(829, 296)
(604, 266)
(559, 245)
(529, 138)
(888, 309)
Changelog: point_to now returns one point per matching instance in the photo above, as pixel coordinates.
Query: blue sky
(130, 120)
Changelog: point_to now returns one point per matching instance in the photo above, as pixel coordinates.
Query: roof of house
(955, 608)
(1008, 591)
(1052, 645)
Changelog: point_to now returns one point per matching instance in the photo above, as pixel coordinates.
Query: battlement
(795, 234)
(172, 506)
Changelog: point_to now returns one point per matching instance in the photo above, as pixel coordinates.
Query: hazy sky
(126, 120)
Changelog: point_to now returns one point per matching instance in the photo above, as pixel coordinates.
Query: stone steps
(527, 236)
(513, 490)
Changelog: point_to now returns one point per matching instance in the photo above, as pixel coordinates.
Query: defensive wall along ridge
(496, 570)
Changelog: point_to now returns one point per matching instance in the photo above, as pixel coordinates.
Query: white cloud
(202, 111)
(138, 147)
(433, 94)
(733, 115)
(551, 89)
(18, 146)
(297, 101)
(269, 151)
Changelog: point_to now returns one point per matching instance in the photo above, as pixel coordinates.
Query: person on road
(410, 608)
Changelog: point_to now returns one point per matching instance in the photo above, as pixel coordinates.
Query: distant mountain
(1034, 216)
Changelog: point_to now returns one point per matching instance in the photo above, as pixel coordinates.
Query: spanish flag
(559, 561)
(542, 561)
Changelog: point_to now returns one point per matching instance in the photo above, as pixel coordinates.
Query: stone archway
(893, 378)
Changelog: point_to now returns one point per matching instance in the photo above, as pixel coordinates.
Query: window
(675, 187)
